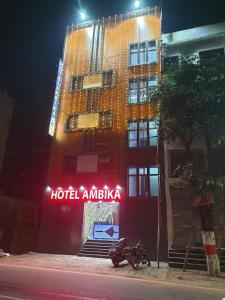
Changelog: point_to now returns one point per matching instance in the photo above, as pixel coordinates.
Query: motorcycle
(133, 254)
(139, 256)
(117, 252)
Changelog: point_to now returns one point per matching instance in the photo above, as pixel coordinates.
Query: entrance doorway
(100, 221)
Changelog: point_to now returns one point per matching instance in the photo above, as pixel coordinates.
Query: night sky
(34, 33)
(32, 37)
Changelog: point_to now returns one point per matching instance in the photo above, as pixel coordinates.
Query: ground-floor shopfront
(68, 223)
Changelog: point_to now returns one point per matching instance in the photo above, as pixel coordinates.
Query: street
(17, 282)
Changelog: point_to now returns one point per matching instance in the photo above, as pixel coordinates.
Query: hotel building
(106, 162)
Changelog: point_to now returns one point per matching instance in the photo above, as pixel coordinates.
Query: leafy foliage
(201, 180)
(190, 100)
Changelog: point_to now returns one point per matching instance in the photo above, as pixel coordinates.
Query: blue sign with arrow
(106, 231)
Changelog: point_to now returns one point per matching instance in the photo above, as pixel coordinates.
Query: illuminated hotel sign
(52, 124)
(85, 194)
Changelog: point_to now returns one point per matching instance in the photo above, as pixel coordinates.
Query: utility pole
(159, 177)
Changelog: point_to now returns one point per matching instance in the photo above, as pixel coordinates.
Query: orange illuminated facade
(105, 134)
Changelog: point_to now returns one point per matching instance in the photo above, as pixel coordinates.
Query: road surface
(17, 282)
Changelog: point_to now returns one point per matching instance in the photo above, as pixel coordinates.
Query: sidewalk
(104, 266)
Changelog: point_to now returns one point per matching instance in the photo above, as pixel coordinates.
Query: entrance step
(96, 248)
(196, 259)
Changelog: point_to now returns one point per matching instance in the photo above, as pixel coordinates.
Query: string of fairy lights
(118, 77)
(112, 62)
(75, 68)
(126, 82)
(114, 55)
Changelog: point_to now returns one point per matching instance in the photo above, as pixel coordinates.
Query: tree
(190, 103)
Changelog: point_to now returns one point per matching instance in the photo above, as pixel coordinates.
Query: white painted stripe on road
(67, 296)
(12, 298)
(116, 277)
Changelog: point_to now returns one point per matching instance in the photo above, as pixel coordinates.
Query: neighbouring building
(6, 112)
(19, 219)
(19, 225)
(200, 42)
(104, 174)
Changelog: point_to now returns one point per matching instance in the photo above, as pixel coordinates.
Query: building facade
(106, 176)
(200, 42)
(104, 173)
(6, 112)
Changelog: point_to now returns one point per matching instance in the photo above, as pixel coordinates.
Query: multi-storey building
(200, 43)
(104, 169)
(106, 162)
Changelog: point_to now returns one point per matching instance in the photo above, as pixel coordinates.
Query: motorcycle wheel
(148, 261)
(134, 265)
(115, 263)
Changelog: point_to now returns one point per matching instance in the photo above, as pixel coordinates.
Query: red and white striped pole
(209, 244)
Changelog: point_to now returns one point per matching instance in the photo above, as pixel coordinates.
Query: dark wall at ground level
(19, 222)
(138, 220)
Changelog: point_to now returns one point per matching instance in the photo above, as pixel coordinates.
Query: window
(153, 133)
(134, 54)
(107, 78)
(71, 123)
(152, 53)
(133, 91)
(154, 181)
(105, 120)
(138, 88)
(76, 83)
(211, 54)
(142, 134)
(143, 181)
(132, 134)
(88, 120)
(144, 52)
(70, 164)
